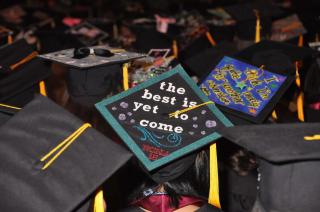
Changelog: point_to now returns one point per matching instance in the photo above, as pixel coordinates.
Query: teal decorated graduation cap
(164, 118)
(246, 91)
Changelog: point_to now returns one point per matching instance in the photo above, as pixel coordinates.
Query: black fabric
(174, 169)
(148, 38)
(21, 81)
(311, 87)
(72, 177)
(209, 208)
(89, 86)
(246, 20)
(204, 61)
(288, 169)
(277, 142)
(13, 53)
(290, 187)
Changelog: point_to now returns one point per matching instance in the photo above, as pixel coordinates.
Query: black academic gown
(205, 208)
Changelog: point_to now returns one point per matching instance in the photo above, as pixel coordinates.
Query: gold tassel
(298, 82)
(125, 76)
(317, 39)
(210, 39)
(24, 60)
(258, 27)
(300, 41)
(175, 48)
(99, 205)
(300, 107)
(274, 115)
(10, 39)
(42, 87)
(213, 198)
(300, 96)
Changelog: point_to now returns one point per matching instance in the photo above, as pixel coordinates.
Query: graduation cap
(203, 62)
(5, 36)
(162, 121)
(289, 153)
(7, 111)
(287, 28)
(246, 15)
(20, 73)
(244, 90)
(147, 37)
(55, 167)
(88, 34)
(93, 72)
(280, 58)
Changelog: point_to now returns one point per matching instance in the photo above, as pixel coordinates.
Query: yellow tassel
(10, 106)
(312, 138)
(42, 87)
(300, 107)
(125, 75)
(300, 41)
(62, 146)
(210, 39)
(10, 39)
(178, 112)
(24, 60)
(258, 27)
(175, 48)
(99, 205)
(214, 178)
(298, 82)
(274, 115)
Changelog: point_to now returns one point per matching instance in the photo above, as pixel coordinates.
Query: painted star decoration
(241, 85)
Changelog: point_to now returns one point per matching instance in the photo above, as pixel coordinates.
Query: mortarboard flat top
(295, 53)
(141, 118)
(71, 178)
(66, 57)
(244, 90)
(245, 12)
(203, 62)
(277, 143)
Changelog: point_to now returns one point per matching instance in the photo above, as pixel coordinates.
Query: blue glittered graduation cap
(164, 118)
(244, 90)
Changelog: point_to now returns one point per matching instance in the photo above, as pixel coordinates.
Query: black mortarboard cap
(259, 54)
(93, 72)
(247, 91)
(6, 112)
(20, 73)
(203, 62)
(141, 117)
(289, 173)
(195, 47)
(71, 178)
(245, 16)
(147, 37)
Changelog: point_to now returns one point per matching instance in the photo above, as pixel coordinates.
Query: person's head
(194, 181)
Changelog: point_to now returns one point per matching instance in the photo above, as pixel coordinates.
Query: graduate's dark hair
(194, 182)
(243, 162)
